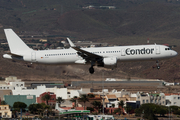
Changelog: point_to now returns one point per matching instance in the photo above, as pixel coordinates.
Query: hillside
(132, 22)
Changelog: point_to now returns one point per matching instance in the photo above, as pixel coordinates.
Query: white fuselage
(122, 53)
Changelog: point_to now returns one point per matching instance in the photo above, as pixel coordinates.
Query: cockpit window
(167, 49)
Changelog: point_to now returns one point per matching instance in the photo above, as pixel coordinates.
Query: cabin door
(33, 57)
(157, 49)
(122, 52)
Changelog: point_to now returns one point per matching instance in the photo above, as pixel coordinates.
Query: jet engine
(110, 62)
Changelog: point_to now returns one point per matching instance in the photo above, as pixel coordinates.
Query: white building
(151, 98)
(60, 92)
(110, 100)
(67, 93)
(10, 83)
(172, 99)
(24, 91)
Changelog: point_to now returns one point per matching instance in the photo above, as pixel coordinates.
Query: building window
(178, 97)
(174, 103)
(147, 101)
(143, 101)
(4, 107)
(174, 97)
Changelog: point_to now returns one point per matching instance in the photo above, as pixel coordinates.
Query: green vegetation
(97, 105)
(3, 103)
(74, 100)
(60, 100)
(19, 105)
(38, 108)
(46, 98)
(150, 111)
(121, 104)
(90, 108)
(84, 99)
(117, 111)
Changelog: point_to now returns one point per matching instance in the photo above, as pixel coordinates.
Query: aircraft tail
(16, 45)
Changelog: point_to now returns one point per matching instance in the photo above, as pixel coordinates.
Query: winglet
(71, 43)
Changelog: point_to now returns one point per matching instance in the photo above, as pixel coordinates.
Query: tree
(3, 103)
(148, 111)
(84, 99)
(33, 108)
(38, 108)
(90, 108)
(159, 109)
(121, 103)
(19, 105)
(118, 110)
(128, 108)
(73, 100)
(91, 95)
(97, 105)
(46, 98)
(113, 105)
(60, 100)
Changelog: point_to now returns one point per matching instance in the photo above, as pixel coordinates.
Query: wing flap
(86, 53)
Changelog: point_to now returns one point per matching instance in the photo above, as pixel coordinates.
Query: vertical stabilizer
(16, 45)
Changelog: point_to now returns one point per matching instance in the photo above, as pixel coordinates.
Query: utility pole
(169, 112)
(103, 90)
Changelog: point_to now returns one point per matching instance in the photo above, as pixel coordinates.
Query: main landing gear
(157, 64)
(91, 70)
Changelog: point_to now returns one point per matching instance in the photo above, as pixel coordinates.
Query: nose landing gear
(157, 64)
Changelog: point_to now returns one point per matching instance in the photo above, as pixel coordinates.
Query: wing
(88, 56)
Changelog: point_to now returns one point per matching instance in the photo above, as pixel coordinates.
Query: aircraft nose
(174, 53)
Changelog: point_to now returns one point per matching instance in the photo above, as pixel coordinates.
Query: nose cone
(174, 53)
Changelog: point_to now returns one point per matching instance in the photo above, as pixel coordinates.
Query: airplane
(107, 57)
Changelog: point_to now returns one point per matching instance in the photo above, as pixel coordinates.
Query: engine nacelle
(110, 62)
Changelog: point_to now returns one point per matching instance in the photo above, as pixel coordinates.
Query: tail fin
(16, 45)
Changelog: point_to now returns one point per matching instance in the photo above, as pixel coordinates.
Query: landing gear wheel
(157, 63)
(158, 67)
(91, 70)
